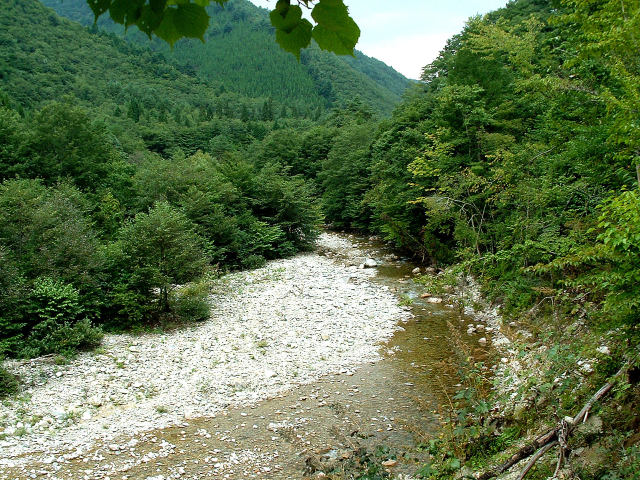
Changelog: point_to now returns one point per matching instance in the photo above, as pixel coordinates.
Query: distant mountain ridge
(240, 54)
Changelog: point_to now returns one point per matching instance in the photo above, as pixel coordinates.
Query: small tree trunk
(638, 172)
(164, 295)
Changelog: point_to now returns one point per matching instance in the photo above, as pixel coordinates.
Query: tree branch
(549, 439)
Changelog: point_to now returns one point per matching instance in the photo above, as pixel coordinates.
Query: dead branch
(521, 454)
(548, 440)
(42, 359)
(537, 457)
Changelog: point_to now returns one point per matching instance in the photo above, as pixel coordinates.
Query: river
(382, 409)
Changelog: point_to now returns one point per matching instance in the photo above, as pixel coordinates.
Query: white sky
(408, 34)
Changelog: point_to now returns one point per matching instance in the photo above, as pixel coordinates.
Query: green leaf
(150, 18)
(158, 6)
(285, 17)
(186, 20)
(126, 12)
(293, 33)
(335, 30)
(297, 39)
(99, 7)
(427, 471)
(454, 464)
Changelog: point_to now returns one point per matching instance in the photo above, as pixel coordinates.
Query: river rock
(482, 341)
(416, 271)
(434, 300)
(370, 263)
(274, 315)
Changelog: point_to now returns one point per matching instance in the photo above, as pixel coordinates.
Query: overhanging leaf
(126, 12)
(335, 30)
(293, 33)
(285, 17)
(150, 19)
(297, 39)
(99, 7)
(186, 20)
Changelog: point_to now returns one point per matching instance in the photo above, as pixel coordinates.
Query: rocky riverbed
(286, 324)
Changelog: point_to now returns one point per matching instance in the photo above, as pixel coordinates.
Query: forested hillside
(239, 53)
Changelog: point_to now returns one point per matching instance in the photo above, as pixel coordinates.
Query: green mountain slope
(138, 93)
(45, 57)
(240, 53)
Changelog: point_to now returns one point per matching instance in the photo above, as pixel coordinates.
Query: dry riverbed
(272, 329)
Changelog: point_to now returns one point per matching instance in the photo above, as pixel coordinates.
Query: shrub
(56, 320)
(253, 261)
(190, 304)
(8, 383)
(54, 301)
(66, 339)
(159, 250)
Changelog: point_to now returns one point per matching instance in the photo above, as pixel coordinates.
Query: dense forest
(131, 173)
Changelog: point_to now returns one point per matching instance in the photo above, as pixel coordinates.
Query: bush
(190, 304)
(8, 383)
(12, 294)
(159, 249)
(57, 322)
(53, 301)
(253, 261)
(65, 339)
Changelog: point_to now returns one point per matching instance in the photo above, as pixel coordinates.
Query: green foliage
(12, 293)
(293, 32)
(608, 267)
(65, 339)
(238, 44)
(619, 242)
(159, 250)
(53, 302)
(190, 304)
(11, 141)
(65, 144)
(344, 177)
(8, 383)
(56, 321)
(48, 231)
(335, 30)
(168, 20)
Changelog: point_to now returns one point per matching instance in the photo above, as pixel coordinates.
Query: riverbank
(288, 323)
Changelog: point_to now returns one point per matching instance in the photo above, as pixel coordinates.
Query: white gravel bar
(285, 324)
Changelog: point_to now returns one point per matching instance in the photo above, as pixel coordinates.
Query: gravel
(271, 328)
